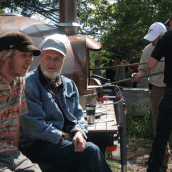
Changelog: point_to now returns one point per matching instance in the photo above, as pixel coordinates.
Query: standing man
(54, 129)
(97, 65)
(110, 73)
(16, 51)
(164, 123)
(156, 84)
(120, 72)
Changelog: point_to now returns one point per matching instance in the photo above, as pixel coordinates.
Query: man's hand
(135, 77)
(125, 62)
(79, 142)
(67, 136)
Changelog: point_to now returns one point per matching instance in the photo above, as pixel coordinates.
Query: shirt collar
(56, 82)
(3, 79)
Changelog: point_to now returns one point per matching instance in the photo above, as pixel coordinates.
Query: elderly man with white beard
(54, 129)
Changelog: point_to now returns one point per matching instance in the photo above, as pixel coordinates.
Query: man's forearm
(142, 72)
(152, 62)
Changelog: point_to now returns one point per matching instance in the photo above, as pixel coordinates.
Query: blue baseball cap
(53, 43)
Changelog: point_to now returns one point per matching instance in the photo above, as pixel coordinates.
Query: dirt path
(137, 154)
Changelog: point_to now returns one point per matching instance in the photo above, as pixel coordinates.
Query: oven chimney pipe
(68, 17)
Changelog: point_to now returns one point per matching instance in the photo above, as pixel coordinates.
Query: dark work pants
(62, 154)
(163, 131)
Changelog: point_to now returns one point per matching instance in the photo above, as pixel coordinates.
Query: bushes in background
(139, 122)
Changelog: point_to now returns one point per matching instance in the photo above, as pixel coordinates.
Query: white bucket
(116, 154)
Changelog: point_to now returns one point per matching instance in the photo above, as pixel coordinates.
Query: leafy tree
(94, 17)
(132, 20)
(2, 11)
(120, 27)
(47, 8)
(92, 14)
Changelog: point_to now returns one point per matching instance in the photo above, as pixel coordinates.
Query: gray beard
(50, 74)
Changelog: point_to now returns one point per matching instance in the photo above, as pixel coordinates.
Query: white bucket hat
(155, 30)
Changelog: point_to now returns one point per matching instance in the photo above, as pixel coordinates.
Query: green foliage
(139, 122)
(94, 16)
(114, 165)
(119, 27)
(2, 11)
(132, 20)
(47, 8)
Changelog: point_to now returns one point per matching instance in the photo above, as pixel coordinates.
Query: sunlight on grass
(114, 164)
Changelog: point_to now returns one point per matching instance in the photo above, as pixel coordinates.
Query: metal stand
(121, 121)
(119, 108)
(115, 94)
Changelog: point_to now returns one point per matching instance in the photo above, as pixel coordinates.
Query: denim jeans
(163, 131)
(62, 154)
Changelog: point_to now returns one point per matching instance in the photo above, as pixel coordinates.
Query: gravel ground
(137, 156)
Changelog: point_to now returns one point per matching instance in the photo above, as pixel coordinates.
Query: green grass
(114, 164)
(139, 125)
(139, 122)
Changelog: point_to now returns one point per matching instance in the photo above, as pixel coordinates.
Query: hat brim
(61, 52)
(150, 37)
(31, 48)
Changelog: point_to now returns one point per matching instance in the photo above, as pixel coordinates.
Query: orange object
(102, 99)
(111, 148)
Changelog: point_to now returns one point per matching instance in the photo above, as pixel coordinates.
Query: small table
(102, 131)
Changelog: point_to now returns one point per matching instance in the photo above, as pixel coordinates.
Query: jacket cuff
(76, 130)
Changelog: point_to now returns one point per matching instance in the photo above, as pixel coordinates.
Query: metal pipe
(120, 66)
(121, 121)
(125, 80)
(129, 79)
(68, 17)
(68, 11)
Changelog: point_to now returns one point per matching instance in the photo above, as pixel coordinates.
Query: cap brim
(61, 52)
(150, 37)
(31, 48)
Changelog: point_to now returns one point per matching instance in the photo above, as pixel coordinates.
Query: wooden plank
(105, 119)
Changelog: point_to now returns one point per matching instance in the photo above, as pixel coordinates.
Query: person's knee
(92, 147)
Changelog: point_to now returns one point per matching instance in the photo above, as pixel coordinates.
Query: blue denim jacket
(44, 119)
